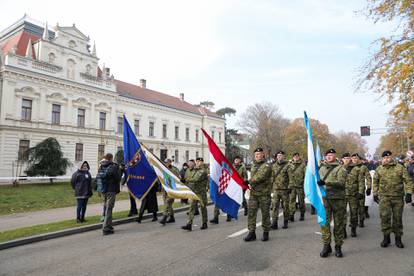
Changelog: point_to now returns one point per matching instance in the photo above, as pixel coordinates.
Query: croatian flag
(313, 191)
(226, 185)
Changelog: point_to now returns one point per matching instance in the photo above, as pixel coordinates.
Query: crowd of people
(273, 184)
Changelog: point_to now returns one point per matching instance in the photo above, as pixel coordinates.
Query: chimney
(182, 97)
(143, 83)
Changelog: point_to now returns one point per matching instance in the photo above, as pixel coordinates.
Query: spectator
(133, 205)
(150, 203)
(182, 179)
(82, 185)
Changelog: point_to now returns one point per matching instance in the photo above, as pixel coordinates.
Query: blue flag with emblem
(314, 193)
(139, 173)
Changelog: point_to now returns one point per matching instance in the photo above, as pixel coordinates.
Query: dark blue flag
(140, 174)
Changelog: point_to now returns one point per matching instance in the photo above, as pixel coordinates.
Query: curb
(77, 230)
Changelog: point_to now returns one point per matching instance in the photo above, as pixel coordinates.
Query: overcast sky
(298, 54)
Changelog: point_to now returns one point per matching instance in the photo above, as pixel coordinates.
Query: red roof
(136, 92)
(20, 39)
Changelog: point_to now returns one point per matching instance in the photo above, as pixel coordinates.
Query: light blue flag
(318, 153)
(314, 193)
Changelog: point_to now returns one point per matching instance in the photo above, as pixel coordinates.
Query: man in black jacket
(110, 180)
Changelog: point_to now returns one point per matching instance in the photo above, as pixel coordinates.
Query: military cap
(259, 149)
(280, 152)
(330, 151)
(200, 159)
(355, 155)
(296, 153)
(346, 154)
(386, 153)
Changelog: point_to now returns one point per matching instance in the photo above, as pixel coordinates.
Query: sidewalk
(10, 222)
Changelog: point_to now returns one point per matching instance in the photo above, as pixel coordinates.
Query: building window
(101, 151)
(136, 127)
(88, 69)
(26, 110)
(72, 44)
(197, 154)
(120, 124)
(52, 58)
(219, 137)
(23, 147)
(177, 132)
(151, 129)
(70, 69)
(55, 114)
(102, 120)
(212, 134)
(81, 117)
(187, 134)
(187, 155)
(79, 152)
(176, 159)
(164, 131)
(196, 134)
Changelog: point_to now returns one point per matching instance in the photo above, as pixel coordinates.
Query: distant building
(52, 86)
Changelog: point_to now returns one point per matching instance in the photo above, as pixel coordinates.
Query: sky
(301, 55)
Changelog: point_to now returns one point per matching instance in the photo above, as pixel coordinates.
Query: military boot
(285, 224)
(204, 226)
(250, 237)
(353, 232)
(302, 216)
(265, 236)
(163, 221)
(187, 227)
(274, 225)
(326, 250)
(398, 242)
(345, 234)
(361, 223)
(171, 219)
(338, 251)
(386, 241)
(228, 218)
(215, 220)
(292, 218)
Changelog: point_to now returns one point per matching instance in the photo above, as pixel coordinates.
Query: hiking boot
(398, 242)
(214, 220)
(326, 250)
(353, 232)
(302, 216)
(186, 227)
(250, 237)
(204, 226)
(386, 241)
(171, 219)
(285, 224)
(163, 221)
(274, 225)
(338, 251)
(265, 236)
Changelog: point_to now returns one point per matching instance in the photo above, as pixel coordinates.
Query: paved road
(150, 249)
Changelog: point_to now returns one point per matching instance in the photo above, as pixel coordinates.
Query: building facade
(51, 85)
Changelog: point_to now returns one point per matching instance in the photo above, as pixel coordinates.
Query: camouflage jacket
(241, 169)
(366, 176)
(280, 178)
(355, 183)
(188, 174)
(391, 179)
(260, 183)
(335, 181)
(175, 171)
(296, 174)
(198, 180)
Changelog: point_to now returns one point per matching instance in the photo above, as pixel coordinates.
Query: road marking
(245, 230)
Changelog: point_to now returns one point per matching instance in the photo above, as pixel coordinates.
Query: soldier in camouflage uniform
(168, 201)
(281, 191)
(241, 169)
(260, 188)
(296, 174)
(333, 177)
(198, 183)
(390, 180)
(367, 184)
(354, 189)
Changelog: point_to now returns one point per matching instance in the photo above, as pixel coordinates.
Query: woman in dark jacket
(82, 184)
(150, 203)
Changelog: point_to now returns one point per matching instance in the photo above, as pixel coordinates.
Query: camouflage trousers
(193, 207)
(280, 197)
(334, 208)
(168, 203)
(300, 194)
(391, 211)
(353, 203)
(261, 202)
(361, 209)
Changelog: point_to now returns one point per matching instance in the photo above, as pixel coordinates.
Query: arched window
(52, 58)
(71, 69)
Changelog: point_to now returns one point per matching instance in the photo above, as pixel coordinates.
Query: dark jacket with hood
(82, 183)
(112, 177)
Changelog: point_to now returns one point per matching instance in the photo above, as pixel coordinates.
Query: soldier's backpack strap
(329, 172)
(280, 170)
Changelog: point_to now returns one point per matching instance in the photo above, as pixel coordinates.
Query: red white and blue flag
(226, 185)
